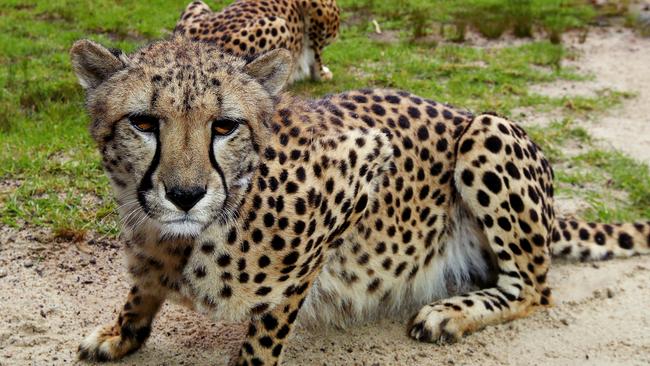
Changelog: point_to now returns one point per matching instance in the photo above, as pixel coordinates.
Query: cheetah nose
(185, 198)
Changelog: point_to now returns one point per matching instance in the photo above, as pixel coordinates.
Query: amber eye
(144, 123)
(224, 127)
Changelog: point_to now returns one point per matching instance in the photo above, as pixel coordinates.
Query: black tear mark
(216, 167)
(147, 184)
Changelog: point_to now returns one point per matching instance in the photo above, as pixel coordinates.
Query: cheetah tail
(594, 241)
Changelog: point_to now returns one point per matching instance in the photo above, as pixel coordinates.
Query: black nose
(185, 198)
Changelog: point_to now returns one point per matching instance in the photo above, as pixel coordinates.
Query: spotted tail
(594, 241)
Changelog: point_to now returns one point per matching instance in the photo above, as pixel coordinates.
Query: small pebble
(610, 293)
(3, 274)
(28, 264)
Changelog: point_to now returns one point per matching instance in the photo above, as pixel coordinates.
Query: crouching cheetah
(248, 204)
(251, 27)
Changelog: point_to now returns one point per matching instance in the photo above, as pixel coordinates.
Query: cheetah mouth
(185, 227)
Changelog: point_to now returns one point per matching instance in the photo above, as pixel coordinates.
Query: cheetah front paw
(438, 324)
(107, 343)
(326, 73)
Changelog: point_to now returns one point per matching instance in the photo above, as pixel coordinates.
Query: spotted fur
(360, 204)
(251, 27)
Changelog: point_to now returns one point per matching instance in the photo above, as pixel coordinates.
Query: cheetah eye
(144, 122)
(224, 127)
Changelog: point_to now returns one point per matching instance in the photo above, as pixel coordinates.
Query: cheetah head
(179, 125)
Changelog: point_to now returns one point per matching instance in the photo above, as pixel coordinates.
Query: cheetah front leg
(268, 333)
(318, 70)
(128, 333)
(505, 182)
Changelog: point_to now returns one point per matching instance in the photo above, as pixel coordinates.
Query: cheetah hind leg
(516, 216)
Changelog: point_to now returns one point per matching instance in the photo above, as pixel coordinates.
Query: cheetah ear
(94, 63)
(271, 70)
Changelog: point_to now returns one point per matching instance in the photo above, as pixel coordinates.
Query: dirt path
(51, 294)
(619, 61)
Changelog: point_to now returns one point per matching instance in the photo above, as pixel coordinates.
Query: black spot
(269, 219)
(414, 112)
(264, 261)
(423, 133)
(226, 291)
(393, 99)
(504, 223)
(512, 170)
(299, 227)
(584, 234)
(433, 113)
(257, 235)
(374, 285)
(442, 145)
(378, 109)
(291, 187)
(466, 146)
(492, 182)
(259, 278)
(269, 321)
(266, 342)
(259, 308)
(468, 177)
(625, 241)
(361, 99)
(277, 350)
(224, 260)
(403, 122)
(538, 240)
(516, 203)
(232, 236)
(200, 272)
(269, 153)
(483, 198)
(301, 207)
(277, 243)
(291, 258)
(533, 195)
(207, 248)
(282, 333)
(515, 249)
(493, 144)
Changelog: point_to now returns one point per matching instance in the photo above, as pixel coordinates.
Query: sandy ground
(619, 61)
(51, 294)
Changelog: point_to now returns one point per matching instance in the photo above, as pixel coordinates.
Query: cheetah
(248, 204)
(251, 27)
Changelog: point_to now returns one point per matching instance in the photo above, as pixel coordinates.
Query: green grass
(598, 176)
(45, 147)
(491, 18)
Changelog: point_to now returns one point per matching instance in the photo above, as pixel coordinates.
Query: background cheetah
(246, 203)
(252, 27)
